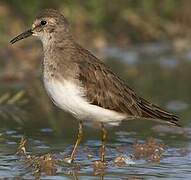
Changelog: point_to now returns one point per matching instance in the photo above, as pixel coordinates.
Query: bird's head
(45, 26)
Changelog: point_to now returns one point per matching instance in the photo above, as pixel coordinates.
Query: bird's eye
(43, 22)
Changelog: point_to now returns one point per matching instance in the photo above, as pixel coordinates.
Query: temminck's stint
(81, 84)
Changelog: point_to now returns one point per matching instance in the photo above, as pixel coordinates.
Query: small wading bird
(81, 84)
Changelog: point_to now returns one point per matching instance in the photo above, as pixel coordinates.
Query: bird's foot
(68, 160)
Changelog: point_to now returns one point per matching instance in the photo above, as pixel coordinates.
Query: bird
(80, 83)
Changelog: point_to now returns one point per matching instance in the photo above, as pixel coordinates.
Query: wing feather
(107, 90)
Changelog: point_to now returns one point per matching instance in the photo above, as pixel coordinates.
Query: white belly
(69, 97)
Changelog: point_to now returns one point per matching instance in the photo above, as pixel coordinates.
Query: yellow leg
(104, 137)
(79, 138)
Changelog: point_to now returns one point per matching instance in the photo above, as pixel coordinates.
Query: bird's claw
(68, 160)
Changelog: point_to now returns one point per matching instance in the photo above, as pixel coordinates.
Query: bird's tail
(154, 112)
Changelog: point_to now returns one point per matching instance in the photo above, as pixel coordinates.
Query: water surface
(155, 71)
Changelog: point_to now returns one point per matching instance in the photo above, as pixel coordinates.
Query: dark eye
(43, 22)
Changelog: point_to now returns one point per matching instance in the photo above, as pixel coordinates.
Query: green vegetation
(11, 106)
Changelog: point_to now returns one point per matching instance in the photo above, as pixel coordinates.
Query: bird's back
(105, 89)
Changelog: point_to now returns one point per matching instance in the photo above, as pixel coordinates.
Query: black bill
(22, 36)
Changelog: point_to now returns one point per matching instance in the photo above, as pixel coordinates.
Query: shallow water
(155, 71)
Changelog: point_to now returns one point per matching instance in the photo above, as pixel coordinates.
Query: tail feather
(152, 111)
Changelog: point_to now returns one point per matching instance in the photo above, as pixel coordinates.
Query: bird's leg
(104, 137)
(101, 164)
(79, 138)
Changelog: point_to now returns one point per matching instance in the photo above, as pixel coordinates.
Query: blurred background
(147, 43)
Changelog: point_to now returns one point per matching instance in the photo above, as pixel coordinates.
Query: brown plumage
(105, 89)
(83, 85)
(64, 59)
